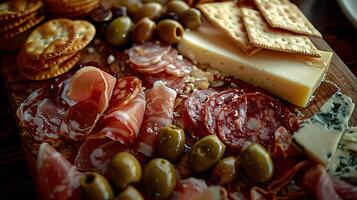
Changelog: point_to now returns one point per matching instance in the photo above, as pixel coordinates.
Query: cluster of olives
(142, 20)
(158, 177)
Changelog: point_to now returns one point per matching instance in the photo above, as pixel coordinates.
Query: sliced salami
(252, 117)
(215, 104)
(151, 69)
(148, 53)
(158, 113)
(125, 90)
(178, 65)
(57, 177)
(193, 111)
(171, 81)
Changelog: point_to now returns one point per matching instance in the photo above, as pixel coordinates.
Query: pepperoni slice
(148, 53)
(252, 117)
(214, 106)
(193, 111)
(125, 90)
(57, 177)
(171, 81)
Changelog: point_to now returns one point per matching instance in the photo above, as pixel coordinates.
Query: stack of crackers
(277, 25)
(17, 17)
(53, 48)
(71, 8)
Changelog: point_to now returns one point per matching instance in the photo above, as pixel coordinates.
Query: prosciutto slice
(92, 89)
(57, 178)
(159, 113)
(123, 124)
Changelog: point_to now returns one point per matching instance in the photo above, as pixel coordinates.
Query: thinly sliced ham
(159, 113)
(57, 178)
(123, 124)
(92, 89)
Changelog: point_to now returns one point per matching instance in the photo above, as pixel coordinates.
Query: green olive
(151, 10)
(159, 178)
(170, 31)
(124, 169)
(118, 32)
(131, 5)
(226, 170)
(130, 193)
(191, 18)
(205, 153)
(144, 30)
(95, 186)
(162, 2)
(171, 142)
(177, 7)
(257, 163)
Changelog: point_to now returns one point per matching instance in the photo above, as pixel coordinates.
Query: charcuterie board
(19, 88)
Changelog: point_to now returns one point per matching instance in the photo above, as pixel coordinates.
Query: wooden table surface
(15, 180)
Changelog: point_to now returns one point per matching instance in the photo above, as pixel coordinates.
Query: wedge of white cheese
(318, 136)
(344, 162)
(288, 76)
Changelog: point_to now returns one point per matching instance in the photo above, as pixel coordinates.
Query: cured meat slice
(57, 178)
(151, 69)
(345, 190)
(125, 90)
(178, 65)
(318, 180)
(171, 81)
(193, 111)
(123, 124)
(92, 89)
(96, 154)
(158, 113)
(252, 117)
(148, 53)
(214, 106)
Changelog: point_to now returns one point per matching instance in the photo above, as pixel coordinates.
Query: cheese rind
(320, 135)
(291, 77)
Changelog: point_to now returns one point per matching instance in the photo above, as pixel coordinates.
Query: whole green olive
(205, 153)
(171, 142)
(144, 30)
(159, 178)
(191, 18)
(257, 163)
(118, 32)
(177, 7)
(124, 169)
(130, 193)
(95, 186)
(226, 170)
(170, 31)
(131, 5)
(162, 2)
(151, 10)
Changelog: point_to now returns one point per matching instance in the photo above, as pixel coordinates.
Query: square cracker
(227, 17)
(261, 35)
(286, 15)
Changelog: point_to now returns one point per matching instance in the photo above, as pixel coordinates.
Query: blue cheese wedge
(344, 162)
(291, 77)
(319, 136)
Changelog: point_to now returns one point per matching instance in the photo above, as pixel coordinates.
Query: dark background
(15, 180)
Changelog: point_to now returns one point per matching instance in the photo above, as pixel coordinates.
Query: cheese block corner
(291, 77)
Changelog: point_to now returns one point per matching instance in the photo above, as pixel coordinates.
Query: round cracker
(18, 8)
(22, 28)
(50, 39)
(85, 33)
(38, 65)
(10, 24)
(54, 71)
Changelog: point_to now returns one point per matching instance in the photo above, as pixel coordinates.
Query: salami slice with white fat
(57, 178)
(148, 53)
(125, 90)
(252, 117)
(215, 104)
(178, 65)
(193, 111)
(151, 69)
(171, 81)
